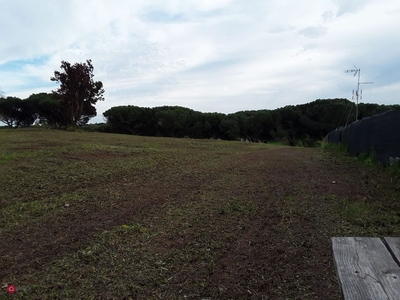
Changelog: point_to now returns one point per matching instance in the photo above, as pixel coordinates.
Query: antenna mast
(358, 92)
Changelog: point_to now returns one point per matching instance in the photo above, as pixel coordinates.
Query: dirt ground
(205, 222)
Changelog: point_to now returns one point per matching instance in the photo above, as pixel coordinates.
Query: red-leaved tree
(78, 92)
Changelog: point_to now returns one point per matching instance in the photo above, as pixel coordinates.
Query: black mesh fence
(379, 134)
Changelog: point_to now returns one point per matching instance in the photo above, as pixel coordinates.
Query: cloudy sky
(208, 55)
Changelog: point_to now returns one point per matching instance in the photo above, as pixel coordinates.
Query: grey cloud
(159, 16)
(281, 28)
(307, 47)
(213, 66)
(350, 6)
(328, 16)
(162, 16)
(313, 31)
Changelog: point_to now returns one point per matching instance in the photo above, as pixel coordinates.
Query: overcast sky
(208, 55)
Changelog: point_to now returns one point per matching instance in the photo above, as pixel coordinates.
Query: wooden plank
(366, 270)
(394, 247)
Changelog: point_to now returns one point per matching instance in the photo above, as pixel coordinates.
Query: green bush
(335, 147)
(368, 158)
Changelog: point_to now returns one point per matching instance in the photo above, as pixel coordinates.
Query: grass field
(103, 216)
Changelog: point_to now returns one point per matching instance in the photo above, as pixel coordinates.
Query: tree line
(304, 124)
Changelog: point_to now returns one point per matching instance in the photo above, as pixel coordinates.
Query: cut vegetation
(104, 216)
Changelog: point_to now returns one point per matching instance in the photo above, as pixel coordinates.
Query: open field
(103, 216)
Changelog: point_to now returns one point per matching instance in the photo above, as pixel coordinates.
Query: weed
(368, 159)
(356, 212)
(338, 148)
(132, 228)
(236, 205)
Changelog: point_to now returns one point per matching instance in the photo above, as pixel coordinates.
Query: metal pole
(358, 92)
(355, 71)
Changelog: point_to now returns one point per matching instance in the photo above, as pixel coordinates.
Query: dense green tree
(172, 121)
(211, 127)
(78, 92)
(370, 109)
(255, 125)
(229, 127)
(49, 109)
(16, 112)
(130, 119)
(236, 126)
(27, 113)
(194, 125)
(10, 109)
(289, 121)
(328, 114)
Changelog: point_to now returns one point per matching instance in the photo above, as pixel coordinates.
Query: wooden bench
(368, 268)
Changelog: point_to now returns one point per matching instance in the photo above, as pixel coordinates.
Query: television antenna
(357, 93)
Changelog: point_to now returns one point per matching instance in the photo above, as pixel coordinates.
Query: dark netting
(380, 134)
(334, 136)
